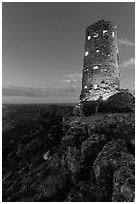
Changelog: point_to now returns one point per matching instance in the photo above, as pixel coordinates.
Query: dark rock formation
(124, 184)
(75, 134)
(121, 102)
(83, 192)
(92, 146)
(113, 156)
(76, 161)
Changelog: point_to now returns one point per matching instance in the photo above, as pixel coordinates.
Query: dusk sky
(43, 48)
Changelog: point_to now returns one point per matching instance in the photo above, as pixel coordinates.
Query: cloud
(124, 41)
(128, 63)
(74, 77)
(50, 84)
(17, 91)
(24, 91)
(67, 87)
(66, 81)
(69, 79)
(66, 91)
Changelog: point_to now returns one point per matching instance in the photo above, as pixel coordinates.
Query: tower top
(102, 24)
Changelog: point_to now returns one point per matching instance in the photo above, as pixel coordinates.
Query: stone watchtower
(100, 70)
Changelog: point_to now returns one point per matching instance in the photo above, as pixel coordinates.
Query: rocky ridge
(78, 160)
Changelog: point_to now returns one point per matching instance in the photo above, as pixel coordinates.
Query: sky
(43, 48)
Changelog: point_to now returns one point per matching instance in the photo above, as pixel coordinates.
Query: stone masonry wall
(100, 69)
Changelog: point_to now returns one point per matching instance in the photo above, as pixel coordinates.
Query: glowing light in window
(95, 67)
(86, 53)
(89, 37)
(113, 34)
(95, 35)
(105, 32)
(97, 50)
(85, 70)
(85, 87)
(95, 86)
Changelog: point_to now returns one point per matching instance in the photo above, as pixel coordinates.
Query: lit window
(95, 86)
(105, 70)
(89, 37)
(105, 32)
(86, 53)
(95, 67)
(95, 35)
(85, 87)
(113, 34)
(85, 70)
(97, 50)
(109, 55)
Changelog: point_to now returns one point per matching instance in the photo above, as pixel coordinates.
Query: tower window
(85, 70)
(95, 86)
(95, 67)
(113, 34)
(86, 53)
(89, 37)
(105, 32)
(95, 35)
(85, 87)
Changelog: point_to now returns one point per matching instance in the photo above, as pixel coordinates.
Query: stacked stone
(100, 70)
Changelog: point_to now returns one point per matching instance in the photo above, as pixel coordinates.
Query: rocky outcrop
(113, 157)
(53, 188)
(73, 160)
(120, 102)
(76, 133)
(82, 162)
(92, 146)
(124, 184)
(83, 192)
